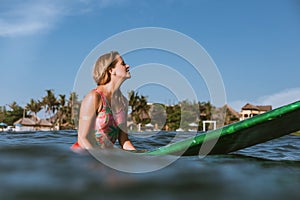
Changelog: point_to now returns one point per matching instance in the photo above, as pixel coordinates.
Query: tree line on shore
(180, 115)
(64, 112)
(57, 109)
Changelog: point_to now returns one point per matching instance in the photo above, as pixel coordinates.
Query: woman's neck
(109, 89)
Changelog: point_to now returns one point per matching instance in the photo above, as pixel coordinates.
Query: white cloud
(276, 100)
(281, 98)
(18, 18)
(29, 17)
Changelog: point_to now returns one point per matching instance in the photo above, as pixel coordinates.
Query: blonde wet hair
(102, 66)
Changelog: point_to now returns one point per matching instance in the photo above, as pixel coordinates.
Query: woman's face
(121, 69)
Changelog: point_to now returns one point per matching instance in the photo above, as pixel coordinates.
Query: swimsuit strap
(106, 104)
(103, 98)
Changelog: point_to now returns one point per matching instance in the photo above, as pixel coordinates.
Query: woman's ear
(112, 72)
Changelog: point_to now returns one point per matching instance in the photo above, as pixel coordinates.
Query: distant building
(24, 124)
(33, 124)
(250, 110)
(43, 125)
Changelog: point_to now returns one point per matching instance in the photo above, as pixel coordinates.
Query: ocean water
(40, 165)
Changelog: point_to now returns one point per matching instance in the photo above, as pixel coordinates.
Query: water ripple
(40, 165)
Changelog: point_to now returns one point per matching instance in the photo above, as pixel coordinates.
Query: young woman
(103, 112)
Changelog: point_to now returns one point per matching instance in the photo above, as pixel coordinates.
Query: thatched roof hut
(44, 122)
(249, 106)
(34, 124)
(25, 122)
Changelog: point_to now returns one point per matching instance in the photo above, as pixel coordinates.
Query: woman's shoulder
(92, 96)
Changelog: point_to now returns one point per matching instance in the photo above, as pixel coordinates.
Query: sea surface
(40, 165)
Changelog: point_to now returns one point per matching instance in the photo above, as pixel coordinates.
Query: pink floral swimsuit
(107, 125)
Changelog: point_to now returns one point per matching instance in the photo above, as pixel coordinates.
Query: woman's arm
(125, 142)
(88, 109)
(123, 137)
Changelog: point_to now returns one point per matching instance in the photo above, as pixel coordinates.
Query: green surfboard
(261, 128)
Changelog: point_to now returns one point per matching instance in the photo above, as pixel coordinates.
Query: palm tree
(143, 110)
(34, 106)
(49, 102)
(139, 108)
(13, 105)
(16, 113)
(61, 107)
(133, 100)
(62, 100)
(73, 109)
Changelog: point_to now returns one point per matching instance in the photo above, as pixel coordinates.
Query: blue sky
(254, 43)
